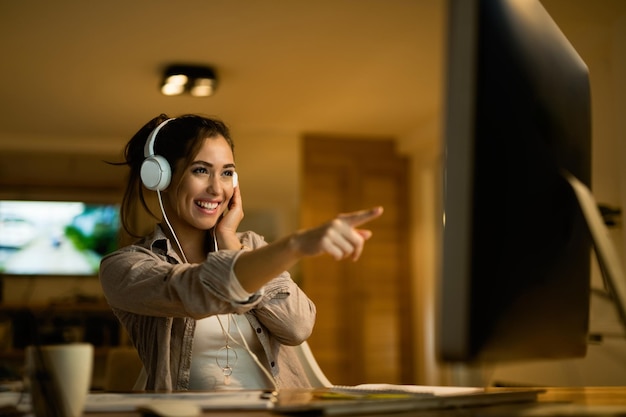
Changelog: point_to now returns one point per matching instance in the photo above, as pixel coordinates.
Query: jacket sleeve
(136, 280)
(284, 309)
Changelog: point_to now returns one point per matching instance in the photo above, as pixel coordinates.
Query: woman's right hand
(340, 238)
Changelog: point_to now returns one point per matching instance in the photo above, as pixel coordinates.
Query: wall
(277, 175)
(424, 149)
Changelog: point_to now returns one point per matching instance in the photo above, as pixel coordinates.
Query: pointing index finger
(358, 218)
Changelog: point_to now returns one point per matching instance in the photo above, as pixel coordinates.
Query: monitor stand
(610, 265)
(606, 254)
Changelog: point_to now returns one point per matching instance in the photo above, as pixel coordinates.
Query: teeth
(207, 205)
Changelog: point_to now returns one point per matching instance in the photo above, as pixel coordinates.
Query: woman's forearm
(339, 238)
(255, 268)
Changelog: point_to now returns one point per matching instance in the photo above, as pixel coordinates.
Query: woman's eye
(199, 170)
(228, 173)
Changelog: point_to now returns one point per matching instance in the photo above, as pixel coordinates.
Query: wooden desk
(586, 395)
(583, 401)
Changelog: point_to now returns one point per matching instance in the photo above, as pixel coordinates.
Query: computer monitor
(515, 281)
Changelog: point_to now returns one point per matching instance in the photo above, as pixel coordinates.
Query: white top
(209, 348)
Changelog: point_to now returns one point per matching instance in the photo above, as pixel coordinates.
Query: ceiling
(91, 70)
(83, 75)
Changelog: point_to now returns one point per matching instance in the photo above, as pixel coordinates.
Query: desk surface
(579, 401)
(586, 395)
(563, 401)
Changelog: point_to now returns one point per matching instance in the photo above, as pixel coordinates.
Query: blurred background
(333, 106)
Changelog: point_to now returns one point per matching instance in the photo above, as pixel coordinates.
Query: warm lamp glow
(203, 87)
(198, 81)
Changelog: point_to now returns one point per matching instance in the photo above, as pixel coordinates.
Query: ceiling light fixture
(199, 81)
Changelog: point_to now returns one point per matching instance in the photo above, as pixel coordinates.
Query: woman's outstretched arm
(340, 238)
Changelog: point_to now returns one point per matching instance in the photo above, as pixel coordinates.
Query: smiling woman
(207, 306)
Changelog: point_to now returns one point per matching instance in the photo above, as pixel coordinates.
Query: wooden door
(363, 329)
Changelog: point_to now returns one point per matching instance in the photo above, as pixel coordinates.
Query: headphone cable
(245, 343)
(169, 225)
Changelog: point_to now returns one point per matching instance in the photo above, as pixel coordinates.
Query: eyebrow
(210, 165)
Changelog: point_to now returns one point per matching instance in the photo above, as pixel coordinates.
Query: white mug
(59, 378)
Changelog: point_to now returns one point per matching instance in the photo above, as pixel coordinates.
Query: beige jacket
(157, 298)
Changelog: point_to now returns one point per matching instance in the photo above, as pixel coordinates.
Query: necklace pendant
(228, 371)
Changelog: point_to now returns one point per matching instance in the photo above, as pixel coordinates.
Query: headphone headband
(155, 170)
(148, 149)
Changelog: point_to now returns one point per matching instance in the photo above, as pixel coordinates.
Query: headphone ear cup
(156, 173)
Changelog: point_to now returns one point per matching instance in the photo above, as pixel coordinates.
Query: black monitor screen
(516, 249)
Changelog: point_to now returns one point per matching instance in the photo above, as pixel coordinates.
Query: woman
(208, 307)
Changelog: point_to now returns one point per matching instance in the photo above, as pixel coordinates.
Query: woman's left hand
(226, 228)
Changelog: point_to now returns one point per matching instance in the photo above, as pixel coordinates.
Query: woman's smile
(197, 201)
(210, 206)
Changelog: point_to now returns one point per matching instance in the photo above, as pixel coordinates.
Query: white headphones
(155, 170)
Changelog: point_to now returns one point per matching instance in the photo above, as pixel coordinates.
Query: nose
(214, 185)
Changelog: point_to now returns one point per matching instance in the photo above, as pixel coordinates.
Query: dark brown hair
(178, 142)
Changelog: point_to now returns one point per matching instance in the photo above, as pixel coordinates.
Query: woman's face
(199, 193)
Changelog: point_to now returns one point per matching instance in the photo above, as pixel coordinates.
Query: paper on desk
(413, 389)
(244, 400)
(231, 400)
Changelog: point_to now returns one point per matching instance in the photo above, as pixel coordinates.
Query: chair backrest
(314, 373)
(122, 367)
